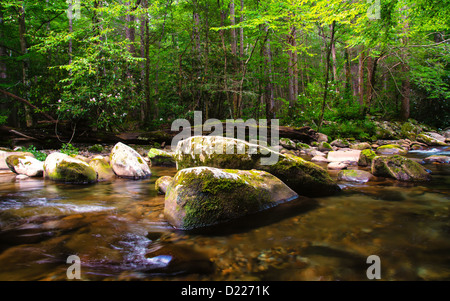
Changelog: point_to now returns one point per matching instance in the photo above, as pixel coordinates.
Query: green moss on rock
(400, 168)
(204, 196)
(391, 149)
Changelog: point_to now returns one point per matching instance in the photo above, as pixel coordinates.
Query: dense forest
(116, 66)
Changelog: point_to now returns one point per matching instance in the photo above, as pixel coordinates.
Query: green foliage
(362, 130)
(69, 149)
(41, 156)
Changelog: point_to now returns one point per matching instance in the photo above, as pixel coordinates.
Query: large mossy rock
(5, 154)
(304, 177)
(161, 158)
(391, 149)
(366, 157)
(63, 168)
(400, 168)
(25, 165)
(431, 139)
(127, 163)
(102, 168)
(204, 196)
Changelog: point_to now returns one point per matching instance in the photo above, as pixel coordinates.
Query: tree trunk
(361, 79)
(372, 68)
(143, 26)
(406, 85)
(327, 72)
(130, 31)
(24, 50)
(197, 53)
(236, 113)
(269, 90)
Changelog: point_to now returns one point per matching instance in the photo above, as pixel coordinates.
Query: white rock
(346, 155)
(26, 165)
(127, 163)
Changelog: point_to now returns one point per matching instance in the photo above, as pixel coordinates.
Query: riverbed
(118, 231)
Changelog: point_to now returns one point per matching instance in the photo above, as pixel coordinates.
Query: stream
(118, 231)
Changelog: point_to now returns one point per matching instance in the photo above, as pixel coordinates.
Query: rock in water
(25, 165)
(304, 177)
(391, 149)
(162, 183)
(5, 154)
(204, 196)
(354, 175)
(399, 168)
(366, 157)
(351, 155)
(437, 159)
(102, 168)
(127, 163)
(63, 168)
(161, 158)
(431, 139)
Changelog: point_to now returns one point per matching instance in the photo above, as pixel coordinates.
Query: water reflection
(119, 232)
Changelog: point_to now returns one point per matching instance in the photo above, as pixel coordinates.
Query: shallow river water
(118, 231)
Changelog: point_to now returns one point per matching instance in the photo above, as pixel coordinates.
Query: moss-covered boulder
(63, 168)
(366, 157)
(127, 163)
(324, 147)
(354, 175)
(391, 149)
(360, 146)
(400, 168)
(162, 183)
(304, 177)
(25, 165)
(204, 196)
(302, 146)
(102, 168)
(161, 158)
(340, 143)
(288, 143)
(431, 139)
(6, 153)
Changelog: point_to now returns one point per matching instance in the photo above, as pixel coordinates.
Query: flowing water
(119, 233)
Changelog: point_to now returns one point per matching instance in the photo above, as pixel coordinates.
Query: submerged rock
(162, 183)
(437, 159)
(354, 175)
(304, 177)
(127, 163)
(204, 196)
(399, 168)
(161, 158)
(102, 168)
(25, 165)
(391, 149)
(63, 168)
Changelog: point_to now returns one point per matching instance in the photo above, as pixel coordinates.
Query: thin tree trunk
(197, 51)
(24, 50)
(361, 79)
(269, 91)
(406, 85)
(143, 26)
(327, 72)
(234, 53)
